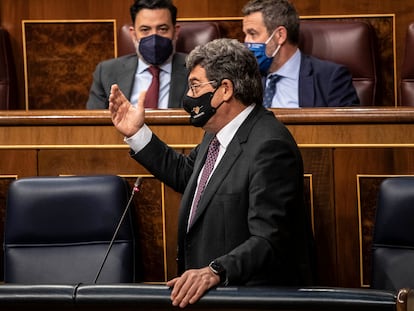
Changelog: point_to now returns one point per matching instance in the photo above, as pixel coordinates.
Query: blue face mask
(259, 51)
(155, 49)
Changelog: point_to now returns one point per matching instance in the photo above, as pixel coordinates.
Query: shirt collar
(166, 67)
(226, 134)
(290, 69)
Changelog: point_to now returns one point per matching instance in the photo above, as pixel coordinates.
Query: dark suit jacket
(325, 84)
(251, 217)
(122, 70)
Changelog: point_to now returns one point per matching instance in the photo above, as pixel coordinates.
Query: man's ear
(281, 35)
(132, 34)
(227, 89)
(176, 31)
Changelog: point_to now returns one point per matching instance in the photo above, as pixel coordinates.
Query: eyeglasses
(194, 87)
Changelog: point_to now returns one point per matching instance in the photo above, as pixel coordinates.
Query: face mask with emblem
(200, 108)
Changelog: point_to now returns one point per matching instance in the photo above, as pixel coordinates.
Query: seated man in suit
(242, 219)
(154, 32)
(292, 79)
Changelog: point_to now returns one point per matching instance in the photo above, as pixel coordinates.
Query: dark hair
(230, 59)
(152, 5)
(276, 13)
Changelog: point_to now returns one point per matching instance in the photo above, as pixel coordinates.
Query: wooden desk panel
(318, 163)
(345, 151)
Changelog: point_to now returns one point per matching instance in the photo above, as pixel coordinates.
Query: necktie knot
(270, 90)
(273, 79)
(214, 146)
(155, 71)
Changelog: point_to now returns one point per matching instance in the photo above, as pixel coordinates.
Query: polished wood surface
(346, 153)
(12, 12)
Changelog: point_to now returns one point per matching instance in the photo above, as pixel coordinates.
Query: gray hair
(276, 13)
(230, 59)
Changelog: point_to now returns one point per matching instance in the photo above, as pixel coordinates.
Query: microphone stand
(136, 189)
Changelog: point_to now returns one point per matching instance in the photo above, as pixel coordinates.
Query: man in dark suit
(244, 223)
(292, 79)
(154, 32)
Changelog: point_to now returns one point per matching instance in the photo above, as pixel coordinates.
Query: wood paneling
(318, 162)
(59, 59)
(12, 12)
(346, 152)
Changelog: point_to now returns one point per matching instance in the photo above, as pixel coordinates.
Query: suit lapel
(233, 151)
(126, 75)
(306, 88)
(229, 158)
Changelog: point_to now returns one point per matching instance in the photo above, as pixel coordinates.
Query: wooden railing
(157, 297)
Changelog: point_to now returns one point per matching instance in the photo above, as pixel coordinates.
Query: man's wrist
(140, 139)
(219, 270)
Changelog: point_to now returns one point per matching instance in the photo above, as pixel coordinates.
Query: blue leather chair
(57, 231)
(393, 241)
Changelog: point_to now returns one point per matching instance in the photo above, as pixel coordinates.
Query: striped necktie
(270, 90)
(211, 158)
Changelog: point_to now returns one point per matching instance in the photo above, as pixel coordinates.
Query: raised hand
(126, 118)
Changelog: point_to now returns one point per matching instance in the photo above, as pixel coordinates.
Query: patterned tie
(151, 98)
(212, 154)
(270, 90)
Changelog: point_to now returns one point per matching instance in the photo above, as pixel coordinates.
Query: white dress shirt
(143, 80)
(287, 88)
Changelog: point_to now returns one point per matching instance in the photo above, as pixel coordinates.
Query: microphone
(136, 189)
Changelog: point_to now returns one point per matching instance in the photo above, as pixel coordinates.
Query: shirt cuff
(140, 139)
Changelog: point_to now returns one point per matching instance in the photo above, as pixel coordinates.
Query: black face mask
(199, 108)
